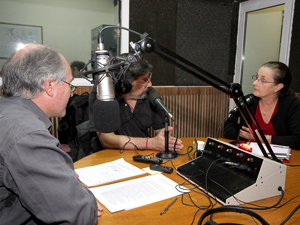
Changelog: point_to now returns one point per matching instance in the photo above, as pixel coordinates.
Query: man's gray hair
(23, 75)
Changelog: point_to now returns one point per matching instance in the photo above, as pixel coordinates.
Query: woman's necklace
(272, 106)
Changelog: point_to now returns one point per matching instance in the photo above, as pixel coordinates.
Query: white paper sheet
(281, 151)
(135, 193)
(107, 172)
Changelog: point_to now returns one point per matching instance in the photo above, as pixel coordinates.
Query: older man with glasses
(137, 114)
(38, 184)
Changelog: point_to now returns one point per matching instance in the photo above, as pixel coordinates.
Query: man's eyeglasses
(261, 81)
(146, 81)
(72, 87)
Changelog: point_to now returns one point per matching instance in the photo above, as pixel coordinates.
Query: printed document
(282, 152)
(107, 172)
(135, 193)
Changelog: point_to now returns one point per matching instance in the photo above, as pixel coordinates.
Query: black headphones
(230, 209)
(123, 86)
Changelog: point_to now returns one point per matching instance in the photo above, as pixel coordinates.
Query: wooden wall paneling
(195, 109)
(55, 122)
(80, 90)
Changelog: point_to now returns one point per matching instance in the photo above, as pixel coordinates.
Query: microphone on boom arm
(107, 71)
(105, 108)
(249, 100)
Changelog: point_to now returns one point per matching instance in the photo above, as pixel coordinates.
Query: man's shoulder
(16, 114)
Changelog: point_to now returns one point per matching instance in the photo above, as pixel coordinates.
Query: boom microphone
(249, 100)
(106, 108)
(155, 99)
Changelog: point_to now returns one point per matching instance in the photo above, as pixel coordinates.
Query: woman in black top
(275, 108)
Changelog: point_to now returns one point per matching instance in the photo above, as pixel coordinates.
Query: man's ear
(49, 87)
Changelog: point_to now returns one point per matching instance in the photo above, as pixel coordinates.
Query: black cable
(128, 142)
(242, 209)
(232, 209)
(206, 175)
(290, 215)
(202, 192)
(176, 128)
(292, 165)
(287, 201)
(257, 206)
(249, 208)
(205, 207)
(172, 164)
(238, 200)
(188, 151)
(99, 34)
(260, 207)
(205, 190)
(264, 207)
(221, 124)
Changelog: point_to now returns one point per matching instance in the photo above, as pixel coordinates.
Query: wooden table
(182, 214)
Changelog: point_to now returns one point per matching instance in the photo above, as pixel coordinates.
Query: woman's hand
(246, 133)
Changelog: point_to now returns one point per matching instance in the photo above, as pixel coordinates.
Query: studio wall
(202, 31)
(66, 24)
(295, 48)
(159, 20)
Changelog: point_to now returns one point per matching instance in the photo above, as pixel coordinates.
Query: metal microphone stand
(237, 139)
(167, 154)
(238, 132)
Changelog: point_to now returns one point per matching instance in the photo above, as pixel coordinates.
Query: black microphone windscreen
(106, 116)
(92, 99)
(250, 100)
(153, 95)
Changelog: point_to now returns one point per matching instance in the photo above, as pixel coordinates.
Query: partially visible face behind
(76, 73)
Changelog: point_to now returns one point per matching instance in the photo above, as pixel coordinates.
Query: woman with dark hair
(275, 108)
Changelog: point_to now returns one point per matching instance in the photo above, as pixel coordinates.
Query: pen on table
(165, 210)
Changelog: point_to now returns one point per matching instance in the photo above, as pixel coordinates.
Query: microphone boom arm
(234, 90)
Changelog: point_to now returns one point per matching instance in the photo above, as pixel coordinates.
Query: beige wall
(262, 42)
(66, 24)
